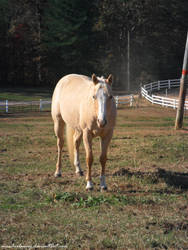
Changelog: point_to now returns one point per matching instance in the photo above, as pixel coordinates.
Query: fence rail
(147, 90)
(45, 105)
(124, 99)
(21, 106)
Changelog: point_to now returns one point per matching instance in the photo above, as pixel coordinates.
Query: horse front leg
(105, 140)
(87, 139)
(77, 140)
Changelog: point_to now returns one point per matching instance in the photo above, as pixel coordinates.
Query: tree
(42, 40)
(68, 36)
(22, 35)
(156, 31)
(4, 22)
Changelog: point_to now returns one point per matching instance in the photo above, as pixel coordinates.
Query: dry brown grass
(147, 172)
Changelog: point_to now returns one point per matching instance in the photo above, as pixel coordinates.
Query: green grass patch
(78, 200)
(29, 94)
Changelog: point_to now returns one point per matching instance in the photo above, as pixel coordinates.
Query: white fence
(147, 90)
(21, 106)
(124, 99)
(45, 105)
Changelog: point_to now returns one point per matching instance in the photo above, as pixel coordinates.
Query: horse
(87, 107)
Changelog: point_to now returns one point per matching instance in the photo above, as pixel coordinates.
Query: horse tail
(69, 137)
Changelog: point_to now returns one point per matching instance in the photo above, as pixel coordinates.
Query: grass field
(145, 207)
(20, 94)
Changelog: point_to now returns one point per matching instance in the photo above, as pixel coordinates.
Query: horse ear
(110, 79)
(94, 79)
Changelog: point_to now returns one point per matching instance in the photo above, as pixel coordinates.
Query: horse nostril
(102, 123)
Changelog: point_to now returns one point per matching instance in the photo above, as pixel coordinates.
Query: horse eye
(94, 96)
(110, 96)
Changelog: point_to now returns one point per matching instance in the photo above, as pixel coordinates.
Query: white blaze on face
(101, 98)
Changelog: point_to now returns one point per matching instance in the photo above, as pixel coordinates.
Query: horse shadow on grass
(176, 179)
(173, 179)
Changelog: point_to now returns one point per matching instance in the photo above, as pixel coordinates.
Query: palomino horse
(88, 109)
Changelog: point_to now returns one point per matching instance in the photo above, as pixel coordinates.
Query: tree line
(135, 40)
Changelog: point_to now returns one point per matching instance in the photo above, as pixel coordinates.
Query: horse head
(103, 97)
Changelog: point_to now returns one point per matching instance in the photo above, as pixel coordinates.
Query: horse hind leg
(59, 132)
(77, 140)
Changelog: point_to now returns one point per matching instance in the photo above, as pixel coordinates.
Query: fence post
(174, 103)
(163, 102)
(158, 85)
(117, 100)
(169, 84)
(131, 100)
(6, 106)
(40, 106)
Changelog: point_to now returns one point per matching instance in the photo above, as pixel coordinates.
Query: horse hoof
(56, 175)
(89, 188)
(104, 188)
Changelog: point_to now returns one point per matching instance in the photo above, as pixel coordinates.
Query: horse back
(69, 94)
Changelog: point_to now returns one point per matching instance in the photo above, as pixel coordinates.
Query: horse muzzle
(101, 123)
